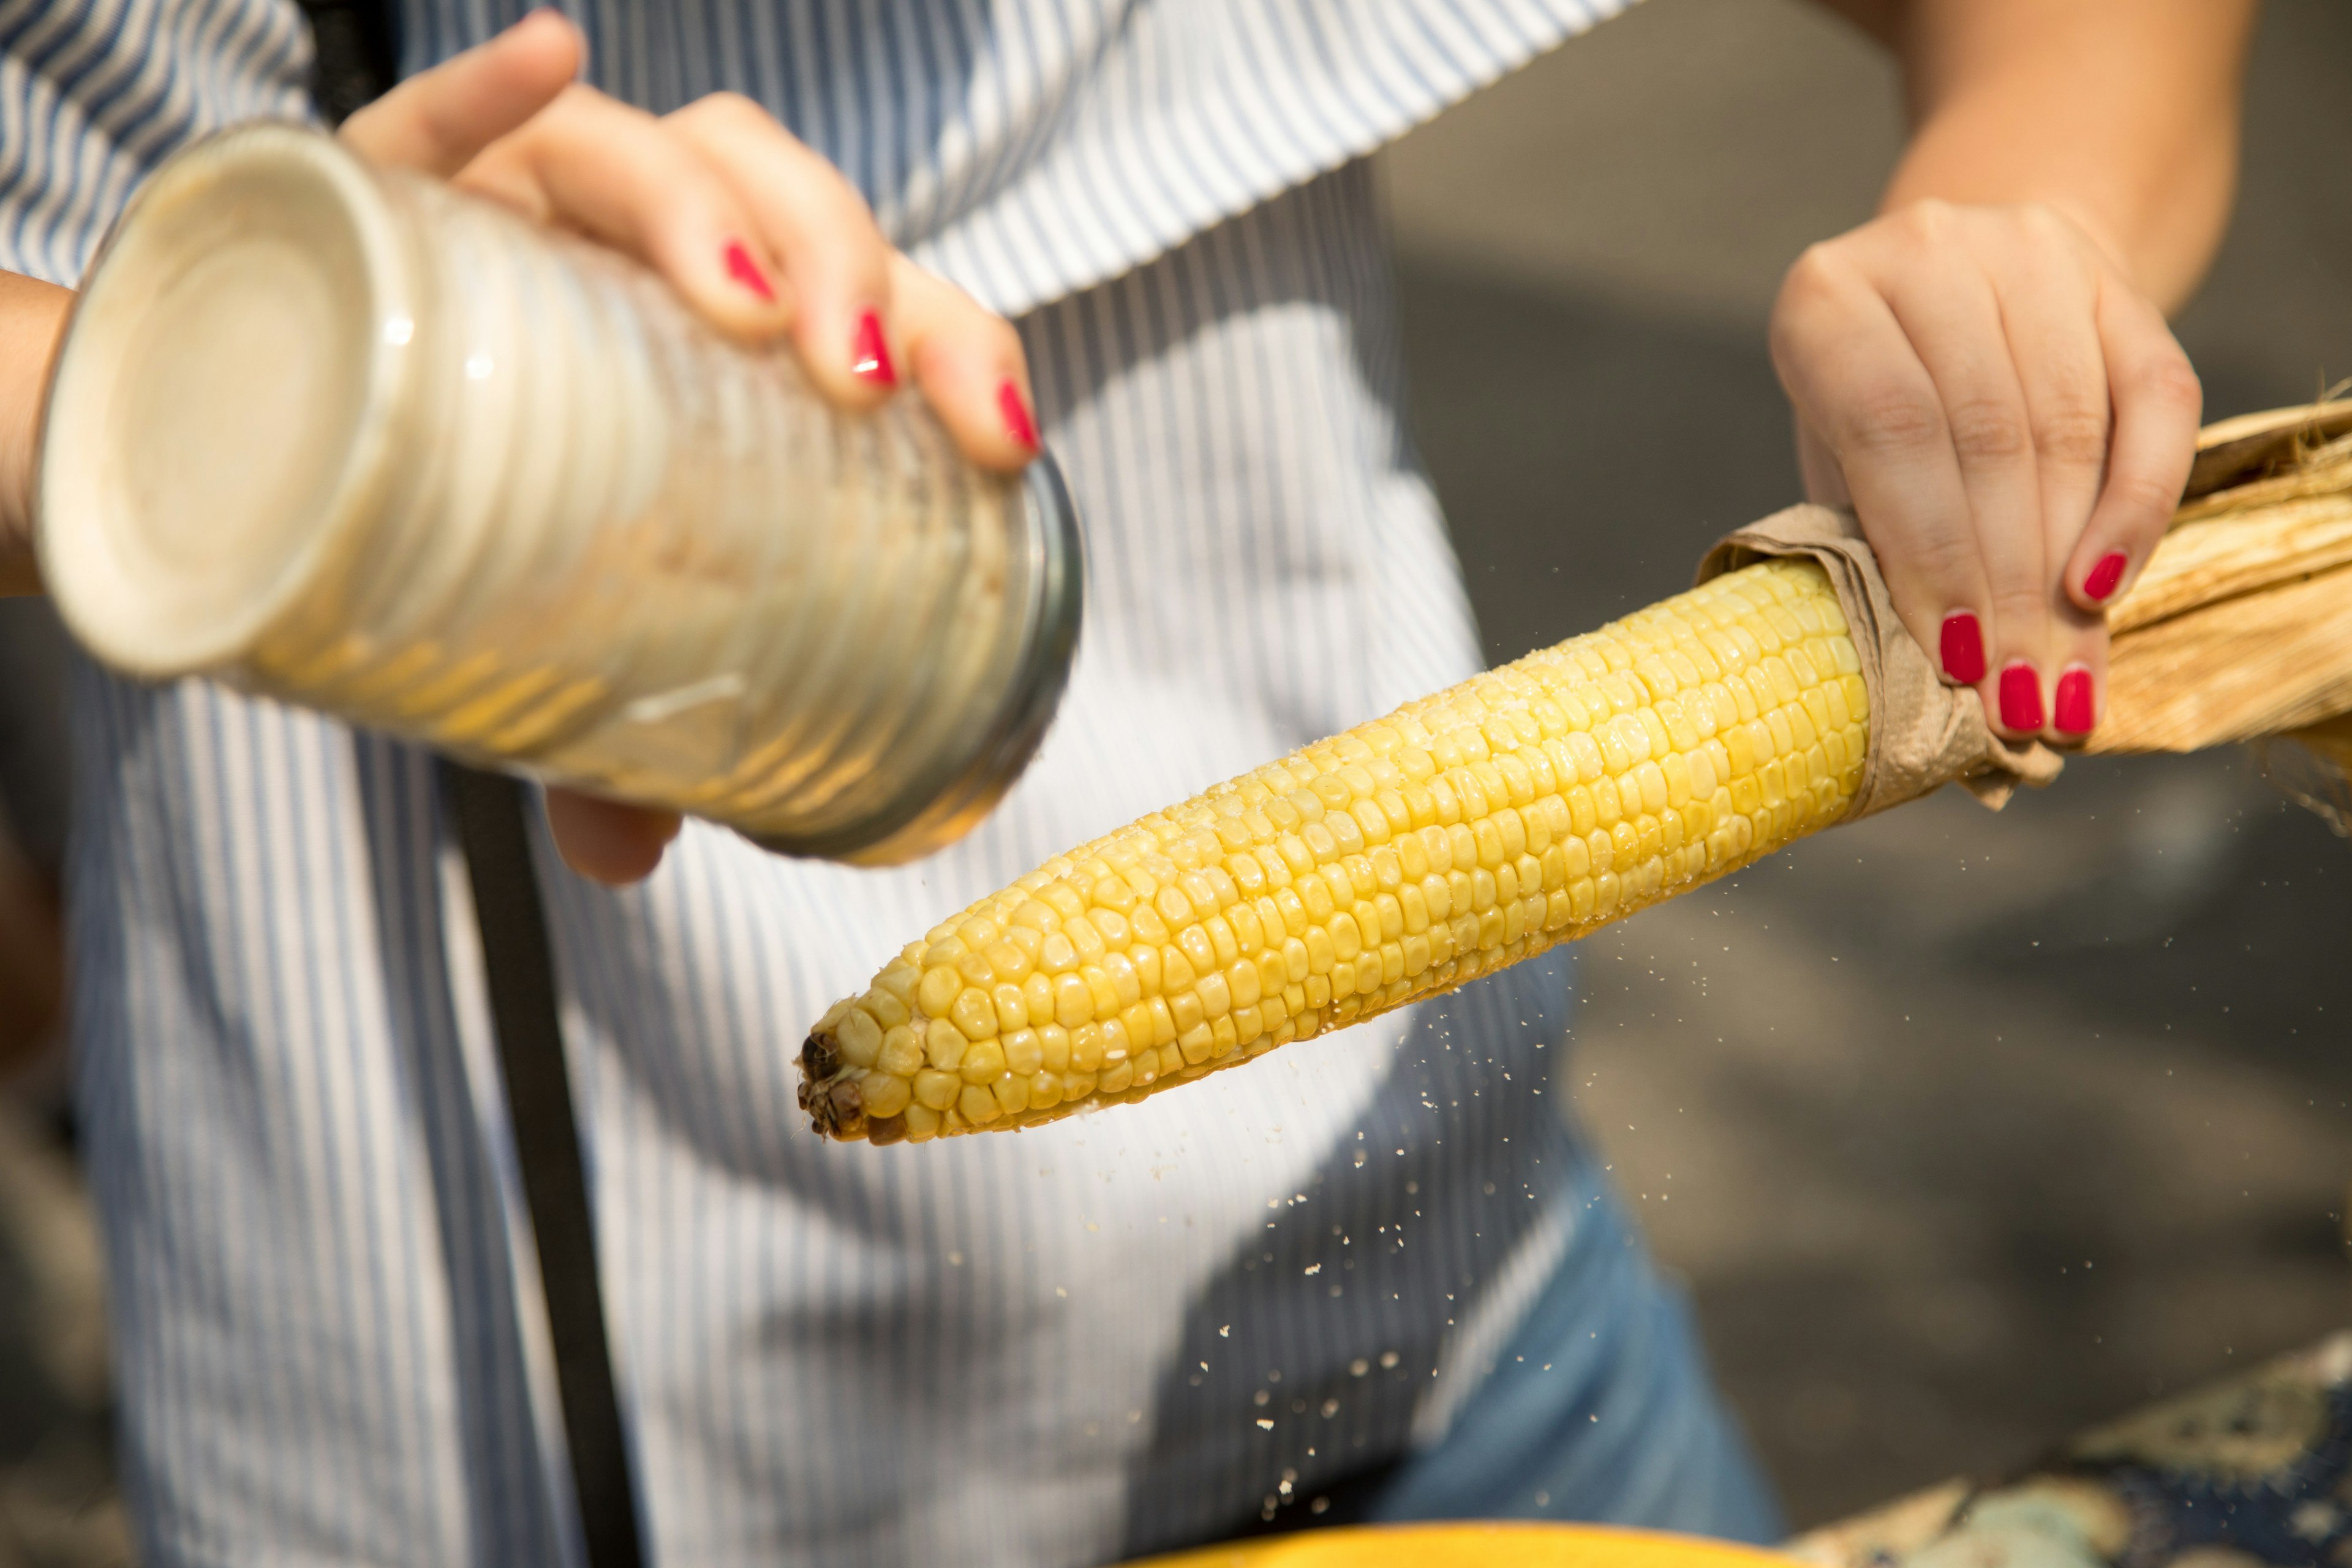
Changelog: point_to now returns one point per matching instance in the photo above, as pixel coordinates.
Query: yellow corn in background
(1464, 832)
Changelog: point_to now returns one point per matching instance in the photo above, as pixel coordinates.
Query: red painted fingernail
(746, 271)
(870, 353)
(2105, 576)
(2020, 698)
(1964, 658)
(2076, 713)
(1017, 423)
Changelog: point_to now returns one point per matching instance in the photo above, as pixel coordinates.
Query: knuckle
(2169, 378)
(1892, 421)
(729, 110)
(2072, 433)
(1948, 560)
(2146, 502)
(2013, 573)
(2046, 225)
(2018, 603)
(1986, 429)
(1808, 284)
(1930, 222)
(1816, 267)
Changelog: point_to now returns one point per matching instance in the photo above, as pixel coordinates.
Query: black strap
(355, 54)
(488, 808)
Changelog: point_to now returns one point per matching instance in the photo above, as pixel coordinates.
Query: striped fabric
(1030, 149)
(1119, 1334)
(93, 96)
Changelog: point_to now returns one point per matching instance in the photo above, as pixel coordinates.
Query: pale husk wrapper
(1924, 734)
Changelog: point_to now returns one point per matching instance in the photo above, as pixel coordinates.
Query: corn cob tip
(835, 1100)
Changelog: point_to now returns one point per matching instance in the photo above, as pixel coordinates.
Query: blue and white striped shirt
(1118, 1333)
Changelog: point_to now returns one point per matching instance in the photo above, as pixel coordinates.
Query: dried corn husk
(2241, 627)
(2236, 554)
(2312, 767)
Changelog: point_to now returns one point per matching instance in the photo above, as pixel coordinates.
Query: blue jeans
(1600, 1409)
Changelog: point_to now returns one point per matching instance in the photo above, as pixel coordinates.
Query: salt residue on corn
(1462, 833)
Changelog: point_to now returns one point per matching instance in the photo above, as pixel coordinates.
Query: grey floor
(1964, 1129)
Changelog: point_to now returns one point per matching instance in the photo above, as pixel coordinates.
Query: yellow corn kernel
(983, 1061)
(901, 1053)
(860, 1038)
(1073, 1002)
(938, 991)
(1459, 834)
(936, 1089)
(974, 1013)
(1024, 1053)
(887, 1006)
(886, 1096)
(898, 979)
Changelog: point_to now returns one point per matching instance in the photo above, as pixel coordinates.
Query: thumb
(438, 122)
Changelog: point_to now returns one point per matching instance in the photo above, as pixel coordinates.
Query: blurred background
(1965, 1130)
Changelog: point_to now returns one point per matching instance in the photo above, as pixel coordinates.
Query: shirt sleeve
(1184, 113)
(94, 95)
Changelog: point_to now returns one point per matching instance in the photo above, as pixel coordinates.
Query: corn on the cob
(1464, 832)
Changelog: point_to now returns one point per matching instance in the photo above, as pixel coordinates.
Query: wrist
(2153, 192)
(32, 321)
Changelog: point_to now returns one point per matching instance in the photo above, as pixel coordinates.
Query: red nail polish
(2076, 712)
(2020, 698)
(2104, 577)
(1017, 423)
(870, 353)
(746, 271)
(1964, 658)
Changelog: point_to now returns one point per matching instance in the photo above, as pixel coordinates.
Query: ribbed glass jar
(352, 438)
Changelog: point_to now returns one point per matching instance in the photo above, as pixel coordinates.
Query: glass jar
(352, 438)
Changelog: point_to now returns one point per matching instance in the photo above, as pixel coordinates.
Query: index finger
(2157, 402)
(439, 120)
(1859, 386)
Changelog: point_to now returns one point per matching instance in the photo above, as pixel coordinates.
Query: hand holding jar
(586, 462)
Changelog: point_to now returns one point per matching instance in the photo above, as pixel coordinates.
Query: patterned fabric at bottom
(2256, 1469)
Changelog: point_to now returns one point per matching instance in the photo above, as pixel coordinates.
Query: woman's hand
(2012, 422)
(32, 322)
(760, 234)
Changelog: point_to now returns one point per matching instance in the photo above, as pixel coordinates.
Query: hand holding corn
(1534, 802)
